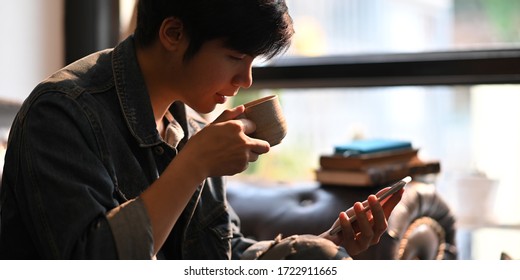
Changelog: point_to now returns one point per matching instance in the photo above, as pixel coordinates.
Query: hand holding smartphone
(351, 214)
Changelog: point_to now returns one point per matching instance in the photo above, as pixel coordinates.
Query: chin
(204, 109)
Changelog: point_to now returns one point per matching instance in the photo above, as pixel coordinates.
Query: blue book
(366, 146)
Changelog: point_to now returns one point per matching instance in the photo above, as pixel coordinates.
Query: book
(375, 176)
(367, 178)
(424, 168)
(365, 146)
(364, 161)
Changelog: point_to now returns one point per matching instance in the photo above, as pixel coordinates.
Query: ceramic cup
(267, 115)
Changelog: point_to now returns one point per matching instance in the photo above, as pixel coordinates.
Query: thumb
(247, 125)
(230, 114)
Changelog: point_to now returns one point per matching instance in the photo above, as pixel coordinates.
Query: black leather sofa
(422, 226)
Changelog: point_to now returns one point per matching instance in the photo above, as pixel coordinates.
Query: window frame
(461, 67)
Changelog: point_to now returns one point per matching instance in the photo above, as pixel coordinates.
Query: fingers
(366, 233)
(247, 125)
(253, 156)
(391, 202)
(368, 227)
(379, 219)
(257, 146)
(230, 114)
(356, 240)
(382, 191)
(349, 236)
(224, 148)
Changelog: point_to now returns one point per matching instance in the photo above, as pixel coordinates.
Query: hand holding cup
(267, 115)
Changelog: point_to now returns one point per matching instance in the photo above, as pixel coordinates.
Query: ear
(171, 33)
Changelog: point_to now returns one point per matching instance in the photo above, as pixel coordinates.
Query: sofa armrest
(424, 225)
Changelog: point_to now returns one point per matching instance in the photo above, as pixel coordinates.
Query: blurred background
(473, 130)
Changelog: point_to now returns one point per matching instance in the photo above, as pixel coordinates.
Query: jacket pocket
(211, 239)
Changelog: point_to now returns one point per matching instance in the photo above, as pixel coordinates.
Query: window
(443, 74)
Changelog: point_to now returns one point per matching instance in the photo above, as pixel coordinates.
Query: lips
(222, 96)
(220, 99)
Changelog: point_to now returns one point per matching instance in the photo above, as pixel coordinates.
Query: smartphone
(393, 189)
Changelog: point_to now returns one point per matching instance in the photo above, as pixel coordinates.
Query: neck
(152, 66)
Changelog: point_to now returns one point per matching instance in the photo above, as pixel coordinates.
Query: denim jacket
(82, 148)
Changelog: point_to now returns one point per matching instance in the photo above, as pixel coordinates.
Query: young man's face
(213, 74)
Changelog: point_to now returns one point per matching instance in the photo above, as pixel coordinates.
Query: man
(106, 159)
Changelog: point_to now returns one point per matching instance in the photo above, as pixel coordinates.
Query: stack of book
(371, 163)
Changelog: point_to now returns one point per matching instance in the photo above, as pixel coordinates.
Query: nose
(244, 78)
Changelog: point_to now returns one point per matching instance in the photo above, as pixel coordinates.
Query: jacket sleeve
(239, 243)
(64, 184)
(131, 217)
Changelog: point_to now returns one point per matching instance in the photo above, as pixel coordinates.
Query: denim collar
(133, 94)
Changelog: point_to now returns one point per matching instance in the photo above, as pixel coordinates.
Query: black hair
(253, 27)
